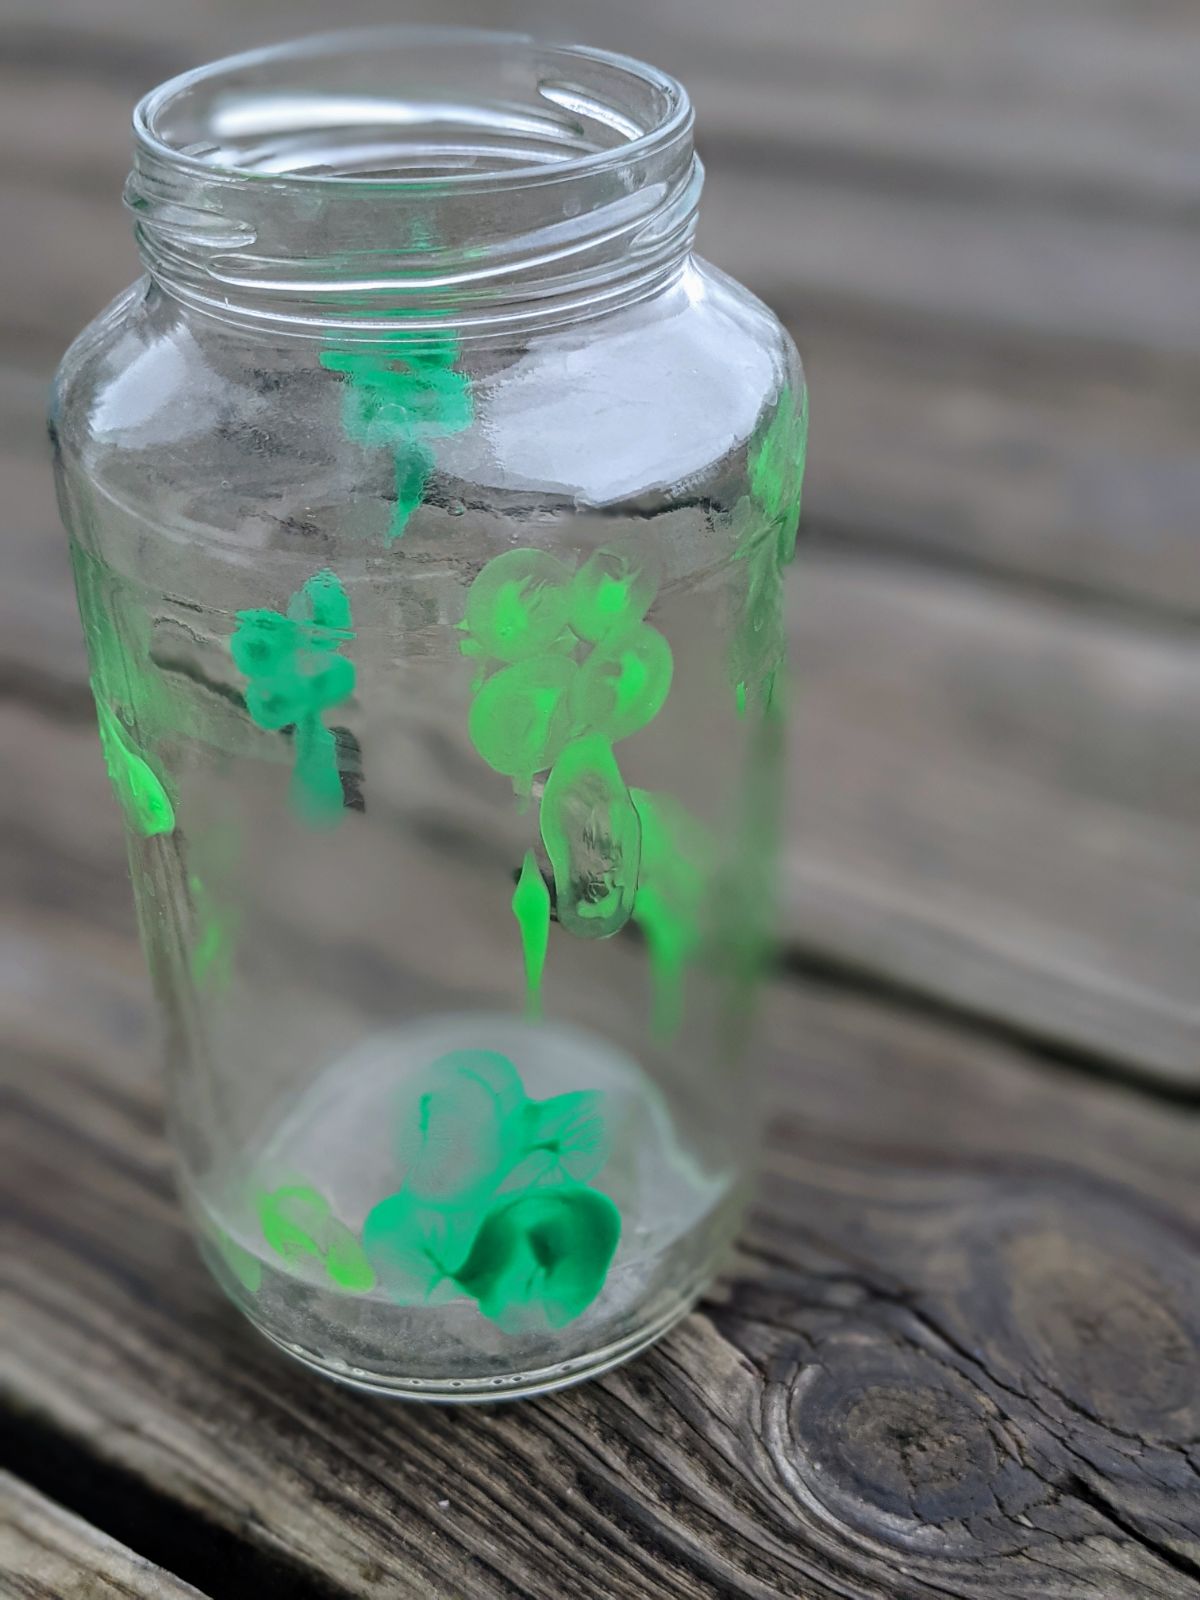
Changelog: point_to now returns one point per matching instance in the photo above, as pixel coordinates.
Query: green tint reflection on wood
(531, 907)
(593, 838)
(400, 398)
(297, 1222)
(495, 1202)
(295, 674)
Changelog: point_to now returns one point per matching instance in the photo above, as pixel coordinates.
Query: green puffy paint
(673, 880)
(517, 606)
(456, 1132)
(294, 675)
(521, 717)
(297, 1223)
(399, 399)
(592, 837)
(144, 800)
(494, 1202)
(544, 1254)
(624, 682)
(531, 907)
(612, 590)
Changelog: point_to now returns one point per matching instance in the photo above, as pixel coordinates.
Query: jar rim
(674, 122)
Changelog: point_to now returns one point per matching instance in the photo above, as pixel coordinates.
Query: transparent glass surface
(428, 501)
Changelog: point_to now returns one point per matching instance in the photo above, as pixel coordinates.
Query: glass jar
(428, 502)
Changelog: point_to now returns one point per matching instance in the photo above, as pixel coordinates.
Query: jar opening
(459, 168)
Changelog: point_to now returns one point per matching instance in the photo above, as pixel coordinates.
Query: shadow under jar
(428, 503)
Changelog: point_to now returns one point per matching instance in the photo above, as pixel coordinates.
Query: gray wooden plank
(959, 1352)
(46, 1553)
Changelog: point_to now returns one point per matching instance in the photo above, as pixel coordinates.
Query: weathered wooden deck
(959, 1351)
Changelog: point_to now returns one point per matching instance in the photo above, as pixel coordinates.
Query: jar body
(439, 682)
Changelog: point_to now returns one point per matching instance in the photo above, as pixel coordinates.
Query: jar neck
(464, 180)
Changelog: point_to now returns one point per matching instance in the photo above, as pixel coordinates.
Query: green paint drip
(593, 838)
(531, 907)
(494, 1202)
(295, 674)
(213, 946)
(297, 1223)
(400, 399)
(144, 800)
(673, 882)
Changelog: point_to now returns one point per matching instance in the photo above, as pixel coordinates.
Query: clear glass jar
(428, 500)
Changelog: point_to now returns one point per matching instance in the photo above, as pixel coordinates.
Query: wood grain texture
(48, 1554)
(958, 1354)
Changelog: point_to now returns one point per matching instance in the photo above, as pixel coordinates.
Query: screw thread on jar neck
(462, 179)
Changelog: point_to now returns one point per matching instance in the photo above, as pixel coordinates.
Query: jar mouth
(459, 177)
(398, 108)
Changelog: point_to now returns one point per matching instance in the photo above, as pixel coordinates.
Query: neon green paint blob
(399, 399)
(611, 591)
(624, 682)
(521, 718)
(563, 1139)
(416, 1248)
(144, 800)
(296, 1223)
(531, 907)
(673, 880)
(517, 606)
(592, 837)
(456, 1136)
(296, 674)
(542, 1257)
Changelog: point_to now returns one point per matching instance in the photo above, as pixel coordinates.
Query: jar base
(483, 1391)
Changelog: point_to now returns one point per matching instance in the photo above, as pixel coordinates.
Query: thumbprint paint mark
(296, 1222)
(531, 907)
(612, 591)
(143, 799)
(542, 1256)
(592, 837)
(624, 682)
(295, 674)
(521, 718)
(517, 606)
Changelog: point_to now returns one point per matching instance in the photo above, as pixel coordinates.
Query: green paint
(563, 1139)
(521, 717)
(542, 1255)
(296, 674)
(144, 800)
(399, 398)
(296, 1223)
(531, 907)
(456, 1134)
(593, 838)
(673, 881)
(494, 1202)
(517, 606)
(612, 590)
(624, 682)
